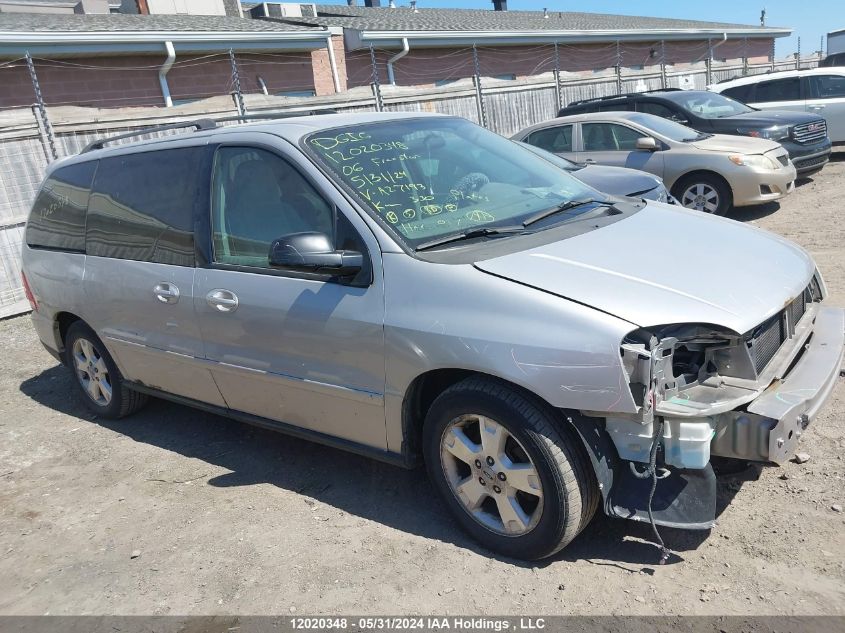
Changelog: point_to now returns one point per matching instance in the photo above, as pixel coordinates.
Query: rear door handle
(222, 300)
(166, 292)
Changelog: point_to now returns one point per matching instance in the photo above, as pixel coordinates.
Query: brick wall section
(427, 66)
(133, 80)
(323, 82)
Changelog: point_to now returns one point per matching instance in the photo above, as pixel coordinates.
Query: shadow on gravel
(756, 212)
(398, 498)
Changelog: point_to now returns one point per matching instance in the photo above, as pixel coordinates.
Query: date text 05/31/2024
(417, 623)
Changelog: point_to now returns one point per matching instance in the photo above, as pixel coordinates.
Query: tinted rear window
(740, 93)
(58, 215)
(142, 206)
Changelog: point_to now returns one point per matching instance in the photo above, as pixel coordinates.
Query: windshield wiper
(566, 206)
(483, 231)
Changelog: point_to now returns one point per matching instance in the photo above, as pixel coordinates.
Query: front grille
(818, 160)
(765, 341)
(810, 132)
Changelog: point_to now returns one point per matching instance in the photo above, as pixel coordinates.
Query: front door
(826, 97)
(303, 349)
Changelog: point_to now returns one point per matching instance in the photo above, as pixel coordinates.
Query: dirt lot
(225, 518)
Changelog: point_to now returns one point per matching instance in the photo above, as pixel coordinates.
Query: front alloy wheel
(508, 467)
(491, 474)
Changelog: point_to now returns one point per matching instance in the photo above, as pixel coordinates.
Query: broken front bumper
(769, 427)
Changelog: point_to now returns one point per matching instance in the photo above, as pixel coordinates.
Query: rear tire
(515, 478)
(704, 192)
(97, 377)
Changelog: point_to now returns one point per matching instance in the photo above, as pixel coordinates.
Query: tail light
(28, 291)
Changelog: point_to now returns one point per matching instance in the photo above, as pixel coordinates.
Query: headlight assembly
(773, 133)
(753, 160)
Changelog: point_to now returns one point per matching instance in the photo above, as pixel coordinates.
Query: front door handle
(166, 292)
(222, 300)
(817, 107)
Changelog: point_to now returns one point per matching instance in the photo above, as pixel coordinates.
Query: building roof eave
(444, 38)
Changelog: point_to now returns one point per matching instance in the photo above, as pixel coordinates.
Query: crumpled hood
(617, 181)
(738, 144)
(666, 265)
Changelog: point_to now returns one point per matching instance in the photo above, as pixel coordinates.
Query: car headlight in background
(754, 160)
(774, 133)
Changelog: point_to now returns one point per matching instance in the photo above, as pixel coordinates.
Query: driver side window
(258, 197)
(604, 137)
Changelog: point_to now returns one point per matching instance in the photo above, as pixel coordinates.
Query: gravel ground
(175, 511)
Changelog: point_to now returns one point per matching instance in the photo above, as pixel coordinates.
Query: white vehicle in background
(815, 90)
(835, 49)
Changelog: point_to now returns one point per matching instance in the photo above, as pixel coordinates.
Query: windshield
(432, 177)
(708, 105)
(664, 127)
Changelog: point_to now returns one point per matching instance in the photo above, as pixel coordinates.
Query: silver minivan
(418, 289)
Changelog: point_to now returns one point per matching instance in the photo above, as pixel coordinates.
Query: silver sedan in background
(617, 181)
(707, 172)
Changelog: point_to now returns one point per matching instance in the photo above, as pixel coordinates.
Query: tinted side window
(608, 137)
(740, 93)
(657, 109)
(778, 90)
(827, 86)
(616, 106)
(57, 219)
(553, 139)
(142, 206)
(258, 197)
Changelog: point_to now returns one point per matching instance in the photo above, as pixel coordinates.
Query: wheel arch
(675, 188)
(61, 324)
(424, 389)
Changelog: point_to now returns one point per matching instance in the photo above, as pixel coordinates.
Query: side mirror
(312, 252)
(647, 143)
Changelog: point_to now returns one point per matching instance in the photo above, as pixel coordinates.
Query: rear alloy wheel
(98, 378)
(703, 193)
(509, 469)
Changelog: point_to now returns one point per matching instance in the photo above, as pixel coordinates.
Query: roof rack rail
(623, 96)
(201, 125)
(275, 115)
(198, 125)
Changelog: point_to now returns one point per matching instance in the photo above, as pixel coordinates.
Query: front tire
(705, 193)
(512, 475)
(99, 381)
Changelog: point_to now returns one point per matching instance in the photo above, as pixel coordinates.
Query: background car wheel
(705, 193)
(102, 386)
(514, 477)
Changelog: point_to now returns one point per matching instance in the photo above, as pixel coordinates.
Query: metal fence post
(558, 88)
(798, 55)
(236, 82)
(42, 110)
(376, 83)
(708, 64)
(821, 48)
(479, 95)
(773, 54)
(663, 82)
(744, 56)
(618, 68)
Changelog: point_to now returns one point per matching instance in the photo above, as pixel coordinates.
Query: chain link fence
(505, 106)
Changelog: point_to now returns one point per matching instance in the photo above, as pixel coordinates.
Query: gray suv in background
(416, 288)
